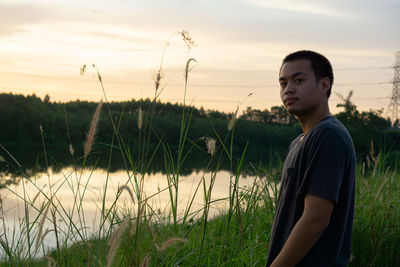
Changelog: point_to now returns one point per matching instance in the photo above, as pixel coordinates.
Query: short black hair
(319, 64)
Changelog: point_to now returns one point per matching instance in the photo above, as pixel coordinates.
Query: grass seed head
(363, 168)
(71, 150)
(145, 262)
(234, 115)
(171, 241)
(97, 72)
(93, 129)
(190, 43)
(232, 121)
(83, 69)
(368, 162)
(127, 188)
(157, 78)
(140, 118)
(115, 241)
(46, 232)
(41, 223)
(210, 144)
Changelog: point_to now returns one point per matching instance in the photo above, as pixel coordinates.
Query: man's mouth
(290, 101)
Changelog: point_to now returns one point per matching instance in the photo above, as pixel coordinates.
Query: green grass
(376, 232)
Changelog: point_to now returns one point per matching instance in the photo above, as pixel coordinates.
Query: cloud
(359, 9)
(14, 17)
(229, 24)
(306, 7)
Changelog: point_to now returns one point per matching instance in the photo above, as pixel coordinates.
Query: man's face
(301, 93)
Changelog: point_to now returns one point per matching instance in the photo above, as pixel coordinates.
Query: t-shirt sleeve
(325, 166)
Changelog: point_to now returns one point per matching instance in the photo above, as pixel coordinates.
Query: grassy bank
(238, 237)
(376, 234)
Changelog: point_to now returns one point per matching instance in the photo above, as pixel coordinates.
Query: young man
(314, 216)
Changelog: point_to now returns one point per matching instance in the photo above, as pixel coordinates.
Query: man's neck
(308, 122)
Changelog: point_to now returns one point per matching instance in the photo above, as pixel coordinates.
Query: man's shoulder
(330, 134)
(333, 128)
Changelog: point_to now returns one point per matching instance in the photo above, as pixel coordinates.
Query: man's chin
(292, 110)
(296, 112)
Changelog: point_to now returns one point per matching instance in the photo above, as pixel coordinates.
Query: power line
(362, 68)
(276, 70)
(234, 85)
(197, 71)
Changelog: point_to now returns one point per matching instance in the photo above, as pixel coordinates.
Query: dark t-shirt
(321, 163)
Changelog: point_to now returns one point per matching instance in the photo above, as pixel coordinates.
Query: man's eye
(298, 80)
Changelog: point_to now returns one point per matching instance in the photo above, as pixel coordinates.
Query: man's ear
(325, 84)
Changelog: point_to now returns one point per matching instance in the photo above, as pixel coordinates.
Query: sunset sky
(240, 45)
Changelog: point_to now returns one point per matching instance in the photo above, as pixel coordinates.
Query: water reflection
(78, 197)
(82, 191)
(30, 161)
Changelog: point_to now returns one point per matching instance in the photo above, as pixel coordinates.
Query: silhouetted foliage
(368, 126)
(268, 132)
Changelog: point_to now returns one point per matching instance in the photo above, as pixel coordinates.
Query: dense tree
(277, 115)
(267, 132)
(368, 127)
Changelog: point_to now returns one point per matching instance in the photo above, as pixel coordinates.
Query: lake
(78, 199)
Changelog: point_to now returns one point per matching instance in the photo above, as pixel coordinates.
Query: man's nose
(289, 88)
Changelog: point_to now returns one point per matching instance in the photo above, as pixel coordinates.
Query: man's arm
(308, 229)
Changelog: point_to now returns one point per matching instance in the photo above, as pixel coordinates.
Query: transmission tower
(395, 98)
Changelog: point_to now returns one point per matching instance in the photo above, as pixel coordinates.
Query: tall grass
(376, 234)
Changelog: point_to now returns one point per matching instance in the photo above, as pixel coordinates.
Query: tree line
(267, 132)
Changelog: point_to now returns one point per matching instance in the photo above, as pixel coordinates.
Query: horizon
(241, 109)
